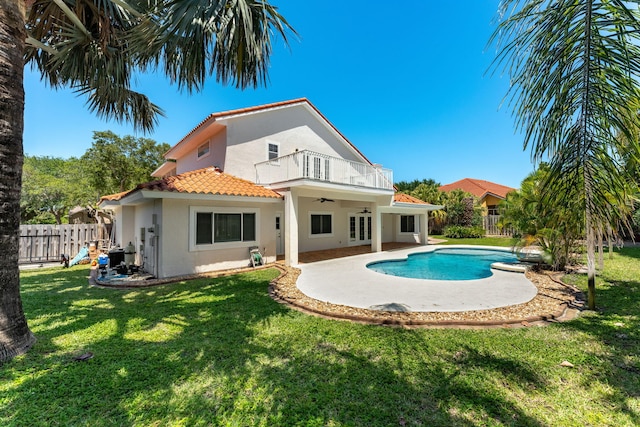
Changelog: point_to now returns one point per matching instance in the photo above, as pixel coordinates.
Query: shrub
(460, 232)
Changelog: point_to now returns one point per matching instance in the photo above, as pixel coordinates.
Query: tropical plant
(574, 67)
(557, 227)
(463, 232)
(462, 209)
(94, 47)
(428, 191)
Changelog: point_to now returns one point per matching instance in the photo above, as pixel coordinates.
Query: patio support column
(376, 229)
(424, 227)
(290, 228)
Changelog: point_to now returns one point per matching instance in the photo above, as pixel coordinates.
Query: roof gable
(217, 118)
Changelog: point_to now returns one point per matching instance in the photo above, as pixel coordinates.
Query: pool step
(515, 268)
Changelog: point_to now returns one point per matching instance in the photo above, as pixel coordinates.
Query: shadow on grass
(221, 352)
(615, 324)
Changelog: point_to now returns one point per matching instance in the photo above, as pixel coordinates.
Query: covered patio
(327, 254)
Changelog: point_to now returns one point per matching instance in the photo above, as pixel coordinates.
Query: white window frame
(416, 225)
(207, 154)
(194, 210)
(275, 160)
(333, 224)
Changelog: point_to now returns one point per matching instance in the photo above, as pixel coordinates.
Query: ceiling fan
(323, 199)
(365, 211)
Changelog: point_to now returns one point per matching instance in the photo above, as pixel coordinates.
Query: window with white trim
(407, 223)
(273, 150)
(321, 224)
(203, 150)
(221, 227)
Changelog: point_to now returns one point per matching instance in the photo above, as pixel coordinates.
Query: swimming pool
(445, 264)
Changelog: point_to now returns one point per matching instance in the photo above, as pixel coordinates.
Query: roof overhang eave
(408, 208)
(142, 195)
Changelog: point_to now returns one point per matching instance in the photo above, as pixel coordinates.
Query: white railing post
(317, 166)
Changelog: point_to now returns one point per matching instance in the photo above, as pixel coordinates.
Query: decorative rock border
(555, 302)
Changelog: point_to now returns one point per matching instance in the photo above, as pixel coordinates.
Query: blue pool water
(445, 264)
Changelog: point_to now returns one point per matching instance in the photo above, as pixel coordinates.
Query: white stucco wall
(406, 237)
(340, 226)
(177, 257)
(216, 156)
(388, 233)
(291, 128)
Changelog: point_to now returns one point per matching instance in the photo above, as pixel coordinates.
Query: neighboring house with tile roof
(279, 177)
(488, 193)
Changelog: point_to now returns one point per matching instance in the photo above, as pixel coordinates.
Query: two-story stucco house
(279, 177)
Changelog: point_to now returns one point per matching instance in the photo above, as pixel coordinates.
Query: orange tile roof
(478, 187)
(405, 198)
(114, 197)
(202, 181)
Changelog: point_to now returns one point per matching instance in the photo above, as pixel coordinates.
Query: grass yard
(220, 352)
(486, 241)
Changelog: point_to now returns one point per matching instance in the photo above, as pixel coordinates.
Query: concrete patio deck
(341, 277)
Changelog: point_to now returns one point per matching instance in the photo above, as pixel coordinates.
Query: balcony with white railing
(309, 165)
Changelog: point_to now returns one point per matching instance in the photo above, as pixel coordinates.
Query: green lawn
(220, 352)
(487, 241)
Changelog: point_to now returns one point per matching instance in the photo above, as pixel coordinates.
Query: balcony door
(359, 229)
(317, 167)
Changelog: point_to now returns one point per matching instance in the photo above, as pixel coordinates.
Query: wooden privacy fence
(490, 224)
(45, 242)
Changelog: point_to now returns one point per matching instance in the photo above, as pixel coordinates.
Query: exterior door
(279, 234)
(359, 229)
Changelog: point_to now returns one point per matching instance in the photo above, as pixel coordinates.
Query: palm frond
(193, 39)
(96, 46)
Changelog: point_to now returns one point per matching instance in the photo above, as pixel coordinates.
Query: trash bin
(116, 257)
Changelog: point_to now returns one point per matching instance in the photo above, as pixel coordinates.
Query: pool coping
(348, 281)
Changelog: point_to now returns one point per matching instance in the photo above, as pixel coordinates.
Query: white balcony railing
(320, 167)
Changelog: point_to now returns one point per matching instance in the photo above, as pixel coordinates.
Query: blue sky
(407, 83)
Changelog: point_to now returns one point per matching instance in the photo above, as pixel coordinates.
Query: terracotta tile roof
(478, 187)
(114, 197)
(202, 181)
(405, 198)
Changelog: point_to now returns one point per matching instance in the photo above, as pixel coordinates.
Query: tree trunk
(15, 336)
(600, 251)
(586, 141)
(591, 266)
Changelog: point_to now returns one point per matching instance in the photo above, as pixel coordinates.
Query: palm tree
(573, 67)
(428, 191)
(94, 47)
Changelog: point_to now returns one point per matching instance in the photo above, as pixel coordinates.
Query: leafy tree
(114, 164)
(51, 186)
(94, 47)
(409, 186)
(574, 67)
